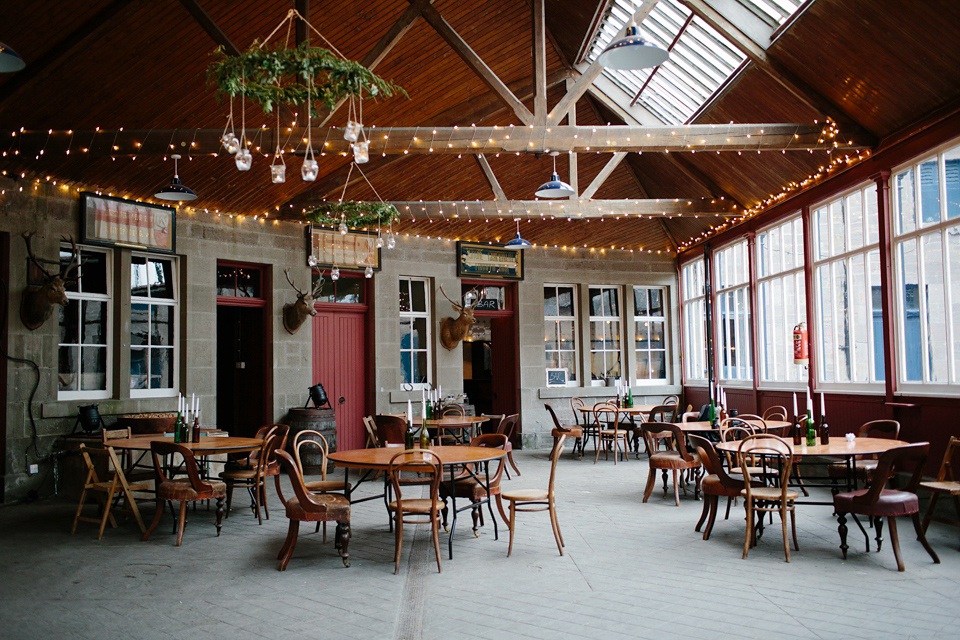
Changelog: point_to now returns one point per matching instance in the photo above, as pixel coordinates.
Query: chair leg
(107, 515)
(651, 480)
(703, 514)
(729, 500)
(398, 545)
(229, 497)
(181, 521)
(713, 500)
(793, 525)
(879, 528)
(842, 530)
(927, 515)
(435, 530)
(748, 538)
(342, 540)
(676, 489)
(503, 513)
(894, 540)
(512, 524)
(922, 537)
(783, 526)
(263, 498)
(286, 551)
(156, 520)
(219, 514)
(257, 495)
(76, 518)
(556, 526)
(512, 463)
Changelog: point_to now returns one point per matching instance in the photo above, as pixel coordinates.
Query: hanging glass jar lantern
(335, 273)
(244, 160)
(309, 170)
(361, 152)
(368, 272)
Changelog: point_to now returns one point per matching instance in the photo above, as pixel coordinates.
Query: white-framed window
(560, 329)
(694, 321)
(605, 334)
(926, 252)
(650, 336)
(732, 278)
(846, 261)
(85, 369)
(415, 338)
(154, 326)
(781, 299)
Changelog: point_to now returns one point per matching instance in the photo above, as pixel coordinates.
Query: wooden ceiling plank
(89, 31)
(569, 101)
(491, 178)
(603, 175)
(462, 49)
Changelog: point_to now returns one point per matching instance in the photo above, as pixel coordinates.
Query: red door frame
(266, 293)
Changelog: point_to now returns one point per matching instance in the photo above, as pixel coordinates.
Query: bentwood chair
(183, 490)
(113, 485)
(571, 431)
(419, 510)
(865, 465)
(585, 422)
(611, 434)
(878, 502)
(272, 468)
(305, 441)
(678, 459)
(254, 480)
(715, 485)
(660, 413)
(468, 483)
(761, 500)
(775, 413)
(537, 500)
(305, 506)
(508, 427)
(946, 484)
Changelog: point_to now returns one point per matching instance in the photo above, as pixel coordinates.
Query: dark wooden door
(339, 362)
(240, 370)
(503, 342)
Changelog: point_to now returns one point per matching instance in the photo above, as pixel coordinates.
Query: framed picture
(556, 377)
(355, 250)
(112, 222)
(488, 261)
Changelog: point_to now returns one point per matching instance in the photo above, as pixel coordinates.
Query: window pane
(951, 162)
(550, 334)
(552, 359)
(93, 271)
(873, 261)
(839, 227)
(936, 310)
(871, 214)
(903, 193)
(855, 219)
(161, 368)
(550, 302)
(406, 365)
(910, 296)
(139, 325)
(419, 340)
(139, 372)
(656, 302)
(789, 250)
(762, 250)
(404, 295)
(161, 324)
(596, 302)
(640, 307)
(567, 338)
(160, 274)
(930, 192)
(821, 229)
(656, 336)
(776, 254)
(418, 295)
(420, 370)
(827, 339)
(658, 365)
(567, 362)
(953, 256)
(67, 377)
(350, 291)
(248, 284)
(642, 372)
(138, 276)
(226, 281)
(565, 301)
(858, 313)
(69, 317)
(841, 303)
(94, 369)
(94, 322)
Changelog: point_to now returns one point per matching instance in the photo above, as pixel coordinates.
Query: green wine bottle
(178, 429)
(811, 432)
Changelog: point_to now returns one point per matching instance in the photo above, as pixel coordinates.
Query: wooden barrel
(321, 420)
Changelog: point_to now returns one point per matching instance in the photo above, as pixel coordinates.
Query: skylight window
(701, 59)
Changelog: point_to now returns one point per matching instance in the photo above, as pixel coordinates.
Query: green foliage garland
(268, 76)
(355, 214)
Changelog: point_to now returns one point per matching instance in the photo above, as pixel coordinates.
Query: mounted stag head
(296, 312)
(37, 302)
(452, 331)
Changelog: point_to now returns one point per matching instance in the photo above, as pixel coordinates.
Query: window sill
(107, 407)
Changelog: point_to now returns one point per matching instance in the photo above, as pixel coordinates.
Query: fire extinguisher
(800, 355)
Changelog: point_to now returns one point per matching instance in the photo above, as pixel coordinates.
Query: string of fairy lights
(477, 213)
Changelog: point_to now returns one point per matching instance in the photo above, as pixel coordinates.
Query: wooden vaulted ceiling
(877, 67)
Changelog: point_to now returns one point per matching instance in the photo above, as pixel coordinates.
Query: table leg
(453, 508)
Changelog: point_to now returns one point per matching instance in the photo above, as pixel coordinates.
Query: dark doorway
(243, 382)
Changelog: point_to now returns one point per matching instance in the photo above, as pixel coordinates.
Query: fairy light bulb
(335, 274)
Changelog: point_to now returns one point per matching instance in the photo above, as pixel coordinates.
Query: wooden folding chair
(107, 489)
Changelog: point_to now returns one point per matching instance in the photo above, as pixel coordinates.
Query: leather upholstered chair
(865, 466)
(715, 485)
(677, 460)
(571, 431)
(466, 484)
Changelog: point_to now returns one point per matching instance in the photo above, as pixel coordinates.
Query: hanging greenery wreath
(267, 76)
(355, 214)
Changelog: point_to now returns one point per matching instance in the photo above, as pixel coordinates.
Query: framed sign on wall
(109, 221)
(355, 250)
(488, 261)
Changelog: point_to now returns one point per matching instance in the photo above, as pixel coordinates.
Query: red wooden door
(339, 358)
(504, 361)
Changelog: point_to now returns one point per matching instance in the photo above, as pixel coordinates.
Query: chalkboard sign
(556, 377)
(491, 304)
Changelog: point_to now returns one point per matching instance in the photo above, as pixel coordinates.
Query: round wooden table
(703, 426)
(454, 423)
(208, 445)
(450, 457)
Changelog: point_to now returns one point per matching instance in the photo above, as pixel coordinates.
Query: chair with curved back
(778, 498)
(606, 418)
(309, 438)
(390, 429)
(944, 484)
(522, 500)
(467, 484)
(671, 400)
(508, 427)
(865, 465)
(454, 410)
(417, 510)
(305, 506)
(585, 421)
(190, 488)
(734, 430)
(776, 412)
(878, 502)
(677, 460)
(571, 431)
(661, 413)
(758, 423)
(716, 484)
(254, 480)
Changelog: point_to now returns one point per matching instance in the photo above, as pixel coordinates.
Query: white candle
(794, 404)
(423, 406)
(193, 404)
(409, 411)
(823, 409)
(423, 400)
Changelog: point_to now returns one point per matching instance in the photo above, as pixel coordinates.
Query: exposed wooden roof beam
(601, 177)
(474, 61)
(207, 24)
(572, 209)
(491, 178)
(539, 64)
(90, 30)
(451, 140)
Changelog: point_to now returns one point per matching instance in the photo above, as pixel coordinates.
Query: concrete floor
(631, 570)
